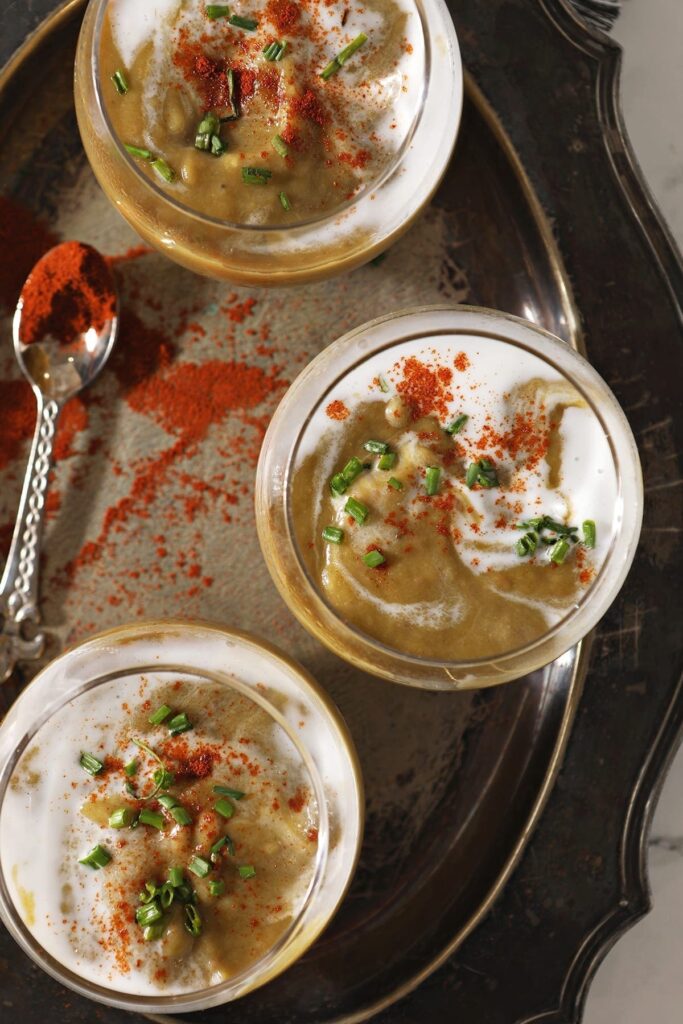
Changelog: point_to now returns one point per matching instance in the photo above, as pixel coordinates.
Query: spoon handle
(19, 584)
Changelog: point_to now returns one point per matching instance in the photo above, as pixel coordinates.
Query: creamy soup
(454, 499)
(262, 112)
(159, 834)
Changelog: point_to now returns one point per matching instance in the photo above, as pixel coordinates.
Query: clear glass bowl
(309, 251)
(198, 652)
(311, 391)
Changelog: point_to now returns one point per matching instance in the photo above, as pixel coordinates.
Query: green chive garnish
(175, 877)
(247, 871)
(120, 818)
(275, 50)
(333, 535)
(284, 201)
(387, 461)
(181, 723)
(352, 469)
(338, 484)
(527, 544)
(152, 818)
(357, 509)
(336, 65)
(432, 477)
(91, 764)
(166, 895)
(159, 715)
(139, 151)
(218, 846)
(396, 484)
(151, 892)
(280, 146)
(482, 473)
(162, 778)
(239, 22)
(216, 888)
(152, 932)
(181, 815)
(120, 82)
(217, 146)
(589, 533)
(373, 559)
(224, 808)
(457, 425)
(131, 768)
(97, 858)
(199, 867)
(148, 914)
(256, 175)
(163, 170)
(215, 11)
(376, 447)
(558, 552)
(193, 922)
(236, 794)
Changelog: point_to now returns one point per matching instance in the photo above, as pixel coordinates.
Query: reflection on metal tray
(156, 519)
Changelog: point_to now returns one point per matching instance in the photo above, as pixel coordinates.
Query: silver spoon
(56, 371)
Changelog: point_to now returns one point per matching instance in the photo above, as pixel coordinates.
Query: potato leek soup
(262, 112)
(453, 497)
(172, 839)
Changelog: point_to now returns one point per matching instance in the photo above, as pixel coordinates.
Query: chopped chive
(432, 477)
(527, 544)
(199, 867)
(131, 768)
(175, 877)
(159, 715)
(215, 11)
(338, 484)
(181, 723)
(373, 559)
(357, 509)
(162, 778)
(246, 871)
(387, 461)
(152, 932)
(482, 473)
(236, 794)
(239, 22)
(275, 50)
(284, 201)
(256, 175)
(152, 818)
(396, 484)
(163, 170)
(218, 846)
(150, 893)
(333, 535)
(383, 386)
(91, 764)
(185, 894)
(558, 552)
(224, 808)
(457, 424)
(193, 922)
(120, 82)
(335, 65)
(352, 469)
(280, 146)
(589, 533)
(97, 858)
(376, 447)
(167, 801)
(148, 914)
(217, 146)
(216, 888)
(182, 816)
(472, 474)
(139, 151)
(166, 895)
(120, 818)
(202, 141)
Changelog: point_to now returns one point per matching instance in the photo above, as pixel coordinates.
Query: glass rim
(608, 578)
(365, 195)
(266, 966)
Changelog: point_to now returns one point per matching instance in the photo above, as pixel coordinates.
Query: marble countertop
(640, 981)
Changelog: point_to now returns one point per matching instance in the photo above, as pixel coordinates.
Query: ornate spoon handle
(19, 584)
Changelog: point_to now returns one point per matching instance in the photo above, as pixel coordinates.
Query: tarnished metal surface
(155, 518)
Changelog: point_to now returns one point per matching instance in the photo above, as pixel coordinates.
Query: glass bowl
(307, 251)
(301, 415)
(305, 721)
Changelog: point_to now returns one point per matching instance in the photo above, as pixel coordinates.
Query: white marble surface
(641, 979)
